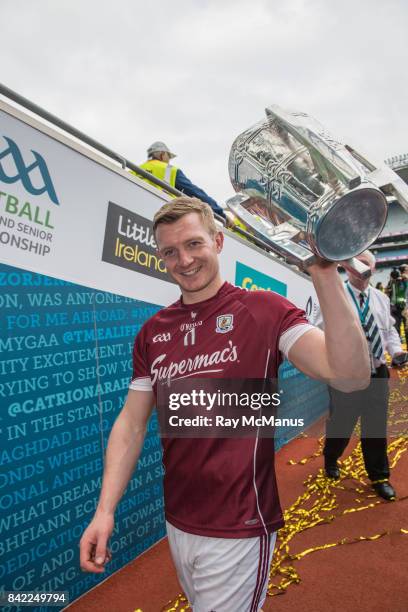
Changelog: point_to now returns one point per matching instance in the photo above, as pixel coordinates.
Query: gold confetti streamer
(180, 604)
(317, 505)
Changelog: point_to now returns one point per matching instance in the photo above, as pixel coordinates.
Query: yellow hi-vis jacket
(161, 170)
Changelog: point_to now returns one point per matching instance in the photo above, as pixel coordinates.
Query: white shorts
(222, 574)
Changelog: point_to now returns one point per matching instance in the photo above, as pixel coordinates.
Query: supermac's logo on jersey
(225, 323)
(13, 168)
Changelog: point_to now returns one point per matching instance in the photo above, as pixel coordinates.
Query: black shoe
(332, 470)
(384, 490)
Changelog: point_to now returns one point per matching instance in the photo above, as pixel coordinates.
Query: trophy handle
(384, 178)
(356, 267)
(283, 239)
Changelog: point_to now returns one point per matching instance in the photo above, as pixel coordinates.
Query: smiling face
(190, 253)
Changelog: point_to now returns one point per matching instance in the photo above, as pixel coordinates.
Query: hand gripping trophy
(305, 194)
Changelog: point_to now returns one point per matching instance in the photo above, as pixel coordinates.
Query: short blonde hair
(177, 208)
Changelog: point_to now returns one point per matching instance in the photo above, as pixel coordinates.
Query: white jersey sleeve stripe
(291, 335)
(141, 384)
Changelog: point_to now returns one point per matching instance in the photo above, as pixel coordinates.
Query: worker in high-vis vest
(158, 164)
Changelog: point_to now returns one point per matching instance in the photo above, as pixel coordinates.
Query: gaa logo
(23, 172)
(162, 338)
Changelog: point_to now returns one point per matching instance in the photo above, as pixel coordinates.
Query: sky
(195, 74)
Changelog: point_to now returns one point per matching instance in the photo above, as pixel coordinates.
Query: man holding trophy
(221, 499)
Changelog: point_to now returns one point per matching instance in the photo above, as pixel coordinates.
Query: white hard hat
(159, 147)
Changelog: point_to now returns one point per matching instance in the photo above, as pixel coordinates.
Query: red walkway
(359, 575)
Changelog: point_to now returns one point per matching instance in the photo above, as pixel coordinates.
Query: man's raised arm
(124, 447)
(339, 355)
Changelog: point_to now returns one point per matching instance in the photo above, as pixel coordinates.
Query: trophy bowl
(304, 193)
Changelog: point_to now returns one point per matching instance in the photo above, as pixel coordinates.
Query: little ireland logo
(22, 171)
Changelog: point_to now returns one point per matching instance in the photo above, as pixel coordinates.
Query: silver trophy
(303, 193)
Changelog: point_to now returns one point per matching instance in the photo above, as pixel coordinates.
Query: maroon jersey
(218, 487)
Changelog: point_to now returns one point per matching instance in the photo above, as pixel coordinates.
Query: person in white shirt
(370, 404)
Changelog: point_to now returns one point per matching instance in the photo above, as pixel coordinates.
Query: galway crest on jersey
(225, 323)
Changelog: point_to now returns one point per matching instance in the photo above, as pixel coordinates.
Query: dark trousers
(371, 405)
